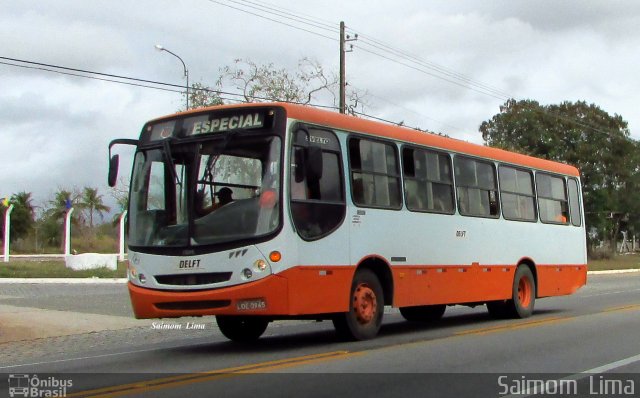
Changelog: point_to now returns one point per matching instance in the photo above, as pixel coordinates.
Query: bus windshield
(213, 190)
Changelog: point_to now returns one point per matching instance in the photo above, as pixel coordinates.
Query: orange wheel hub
(525, 292)
(365, 303)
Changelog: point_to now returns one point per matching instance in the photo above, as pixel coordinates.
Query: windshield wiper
(166, 145)
(214, 156)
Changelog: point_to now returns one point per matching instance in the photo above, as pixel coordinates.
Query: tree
(54, 216)
(309, 83)
(585, 136)
(201, 96)
(22, 216)
(92, 203)
(267, 83)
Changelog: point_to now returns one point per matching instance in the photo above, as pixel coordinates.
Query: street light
(186, 72)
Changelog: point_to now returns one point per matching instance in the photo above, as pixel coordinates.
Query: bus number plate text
(251, 305)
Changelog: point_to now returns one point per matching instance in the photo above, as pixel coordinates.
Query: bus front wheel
(242, 329)
(366, 307)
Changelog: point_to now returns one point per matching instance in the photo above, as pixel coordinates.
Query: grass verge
(56, 269)
(628, 261)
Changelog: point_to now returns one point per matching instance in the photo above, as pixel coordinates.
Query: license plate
(251, 305)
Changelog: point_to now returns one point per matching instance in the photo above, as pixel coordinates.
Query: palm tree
(23, 215)
(56, 213)
(92, 203)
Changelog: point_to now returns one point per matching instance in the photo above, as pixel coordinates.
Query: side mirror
(113, 170)
(314, 163)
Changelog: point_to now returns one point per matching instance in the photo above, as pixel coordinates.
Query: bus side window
(516, 191)
(574, 203)
(552, 199)
(428, 181)
(477, 187)
(376, 165)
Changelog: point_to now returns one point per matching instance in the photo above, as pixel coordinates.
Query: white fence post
(7, 232)
(67, 233)
(121, 254)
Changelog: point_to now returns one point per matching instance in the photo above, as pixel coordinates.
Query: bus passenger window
(574, 203)
(375, 165)
(516, 190)
(552, 199)
(476, 187)
(427, 180)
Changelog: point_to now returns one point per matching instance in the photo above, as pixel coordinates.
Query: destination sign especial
(248, 121)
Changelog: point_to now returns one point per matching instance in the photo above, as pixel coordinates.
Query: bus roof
(353, 124)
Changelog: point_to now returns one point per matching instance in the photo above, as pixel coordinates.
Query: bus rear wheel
(523, 297)
(423, 313)
(242, 329)
(366, 307)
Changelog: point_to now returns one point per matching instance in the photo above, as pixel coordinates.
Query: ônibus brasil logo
(33, 386)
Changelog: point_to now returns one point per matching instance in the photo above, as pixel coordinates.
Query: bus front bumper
(267, 296)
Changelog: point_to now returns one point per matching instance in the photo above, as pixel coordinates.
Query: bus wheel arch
(382, 270)
(368, 294)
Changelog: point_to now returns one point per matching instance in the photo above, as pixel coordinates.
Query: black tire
(423, 313)
(241, 329)
(523, 297)
(366, 302)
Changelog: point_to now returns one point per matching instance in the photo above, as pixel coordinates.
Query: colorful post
(122, 217)
(67, 230)
(7, 228)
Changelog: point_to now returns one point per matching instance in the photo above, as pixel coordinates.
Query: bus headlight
(142, 278)
(247, 273)
(260, 265)
(132, 272)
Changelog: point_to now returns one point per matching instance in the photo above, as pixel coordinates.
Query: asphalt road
(467, 353)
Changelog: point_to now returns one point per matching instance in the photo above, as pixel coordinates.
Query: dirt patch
(25, 323)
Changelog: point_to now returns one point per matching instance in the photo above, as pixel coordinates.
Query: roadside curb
(124, 280)
(613, 271)
(65, 280)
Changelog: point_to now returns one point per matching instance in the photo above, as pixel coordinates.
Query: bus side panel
(558, 280)
(451, 284)
(319, 289)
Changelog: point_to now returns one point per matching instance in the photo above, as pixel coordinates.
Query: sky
(443, 66)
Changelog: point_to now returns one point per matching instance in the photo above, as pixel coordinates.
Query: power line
(437, 71)
(430, 65)
(274, 20)
(281, 12)
(423, 66)
(170, 87)
(87, 77)
(87, 74)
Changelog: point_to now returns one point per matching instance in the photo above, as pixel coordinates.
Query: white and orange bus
(260, 212)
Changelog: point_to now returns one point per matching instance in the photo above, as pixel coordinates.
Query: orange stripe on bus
(306, 290)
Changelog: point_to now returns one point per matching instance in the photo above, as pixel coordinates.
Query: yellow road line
(513, 326)
(175, 381)
(630, 307)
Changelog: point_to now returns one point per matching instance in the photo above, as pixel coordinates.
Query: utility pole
(343, 74)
